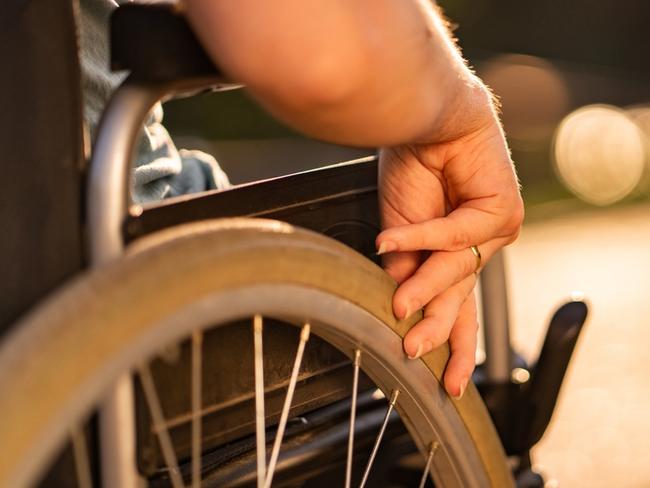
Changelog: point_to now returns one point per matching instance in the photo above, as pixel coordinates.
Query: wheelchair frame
(110, 215)
(112, 221)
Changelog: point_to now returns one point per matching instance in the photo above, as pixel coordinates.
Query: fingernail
(418, 351)
(461, 391)
(386, 246)
(411, 307)
(423, 348)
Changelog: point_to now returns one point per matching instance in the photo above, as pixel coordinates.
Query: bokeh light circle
(533, 94)
(599, 154)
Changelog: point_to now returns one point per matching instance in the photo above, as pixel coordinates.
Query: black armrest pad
(155, 43)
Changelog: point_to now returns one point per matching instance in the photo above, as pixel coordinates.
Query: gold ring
(476, 253)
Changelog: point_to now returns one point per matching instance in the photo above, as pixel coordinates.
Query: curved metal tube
(108, 200)
(108, 194)
(109, 176)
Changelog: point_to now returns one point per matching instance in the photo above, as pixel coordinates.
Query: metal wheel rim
(464, 462)
(454, 464)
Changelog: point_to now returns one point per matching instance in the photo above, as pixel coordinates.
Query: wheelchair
(234, 338)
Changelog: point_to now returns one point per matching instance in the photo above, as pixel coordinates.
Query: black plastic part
(539, 395)
(522, 412)
(500, 398)
(529, 479)
(525, 475)
(155, 43)
(339, 201)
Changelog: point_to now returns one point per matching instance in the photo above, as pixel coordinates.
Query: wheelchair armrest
(155, 43)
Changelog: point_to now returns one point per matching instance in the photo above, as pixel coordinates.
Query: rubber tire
(53, 368)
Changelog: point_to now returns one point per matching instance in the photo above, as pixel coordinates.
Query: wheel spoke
(284, 416)
(260, 432)
(391, 405)
(197, 365)
(427, 466)
(153, 401)
(353, 413)
(82, 464)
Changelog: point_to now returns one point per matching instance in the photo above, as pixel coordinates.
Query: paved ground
(600, 435)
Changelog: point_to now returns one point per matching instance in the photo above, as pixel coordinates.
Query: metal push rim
(462, 445)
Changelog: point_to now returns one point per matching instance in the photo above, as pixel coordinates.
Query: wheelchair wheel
(178, 283)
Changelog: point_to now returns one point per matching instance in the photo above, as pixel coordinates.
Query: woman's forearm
(364, 72)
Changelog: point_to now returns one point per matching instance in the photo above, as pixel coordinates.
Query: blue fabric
(161, 170)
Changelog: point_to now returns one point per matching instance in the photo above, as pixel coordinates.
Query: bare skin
(386, 73)
(436, 201)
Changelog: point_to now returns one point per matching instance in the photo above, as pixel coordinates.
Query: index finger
(462, 228)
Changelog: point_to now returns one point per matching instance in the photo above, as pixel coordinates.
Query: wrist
(471, 108)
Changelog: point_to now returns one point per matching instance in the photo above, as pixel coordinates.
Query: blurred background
(574, 80)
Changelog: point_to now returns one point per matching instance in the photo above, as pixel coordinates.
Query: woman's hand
(436, 200)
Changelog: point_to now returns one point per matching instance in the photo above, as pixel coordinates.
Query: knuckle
(520, 212)
(418, 238)
(516, 215)
(438, 336)
(435, 329)
(513, 236)
(458, 240)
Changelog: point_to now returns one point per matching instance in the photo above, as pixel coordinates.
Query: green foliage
(223, 115)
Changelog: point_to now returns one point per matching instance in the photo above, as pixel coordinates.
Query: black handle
(537, 398)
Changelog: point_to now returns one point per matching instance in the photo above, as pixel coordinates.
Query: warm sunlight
(599, 153)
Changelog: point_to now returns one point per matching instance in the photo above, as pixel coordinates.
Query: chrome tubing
(496, 325)
(108, 202)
